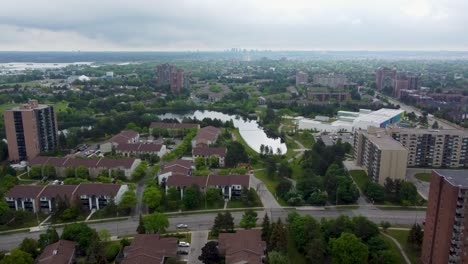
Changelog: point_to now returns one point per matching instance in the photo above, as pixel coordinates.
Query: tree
(249, 219)
(315, 251)
(82, 234)
(236, 154)
(348, 249)
(48, 171)
(155, 223)
(17, 256)
(274, 257)
(223, 223)
(375, 192)
(192, 197)
(128, 201)
(408, 193)
(364, 228)
(152, 197)
(435, 125)
(214, 196)
(284, 170)
(49, 237)
(35, 172)
(141, 226)
(140, 171)
(283, 188)
(415, 236)
(266, 228)
(385, 225)
(172, 198)
(82, 172)
(270, 167)
(278, 238)
(210, 253)
(30, 246)
(214, 162)
(200, 163)
(303, 229)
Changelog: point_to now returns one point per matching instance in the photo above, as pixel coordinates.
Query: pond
(250, 130)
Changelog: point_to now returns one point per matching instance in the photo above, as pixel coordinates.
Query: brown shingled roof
(52, 191)
(173, 125)
(149, 248)
(124, 136)
(207, 133)
(228, 180)
(244, 246)
(59, 252)
(139, 147)
(208, 151)
(76, 162)
(25, 191)
(186, 181)
(106, 189)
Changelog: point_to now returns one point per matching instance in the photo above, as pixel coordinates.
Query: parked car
(184, 244)
(182, 226)
(182, 252)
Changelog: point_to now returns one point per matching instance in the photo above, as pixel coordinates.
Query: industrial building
(352, 121)
(380, 155)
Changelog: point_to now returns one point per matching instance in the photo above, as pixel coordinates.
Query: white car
(182, 226)
(184, 244)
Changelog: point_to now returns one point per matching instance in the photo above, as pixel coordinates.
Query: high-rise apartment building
(30, 129)
(331, 80)
(379, 155)
(433, 148)
(177, 79)
(384, 77)
(302, 78)
(445, 239)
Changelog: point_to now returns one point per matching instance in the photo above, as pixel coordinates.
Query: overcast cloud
(220, 24)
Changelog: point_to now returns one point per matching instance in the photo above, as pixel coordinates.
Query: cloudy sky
(165, 25)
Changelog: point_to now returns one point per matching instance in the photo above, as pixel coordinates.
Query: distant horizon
(244, 50)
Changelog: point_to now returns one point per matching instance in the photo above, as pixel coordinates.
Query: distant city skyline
(145, 25)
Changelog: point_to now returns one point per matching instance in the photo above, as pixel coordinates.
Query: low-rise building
(230, 185)
(124, 137)
(244, 246)
(206, 136)
(207, 152)
(60, 252)
(139, 149)
(150, 248)
(95, 166)
(42, 198)
(325, 95)
(175, 168)
(380, 155)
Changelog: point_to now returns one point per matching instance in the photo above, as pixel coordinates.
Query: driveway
(423, 187)
(199, 239)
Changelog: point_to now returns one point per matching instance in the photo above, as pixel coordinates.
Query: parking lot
(331, 139)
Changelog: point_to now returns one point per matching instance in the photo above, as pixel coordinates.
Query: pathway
(265, 195)
(399, 247)
(199, 239)
(421, 186)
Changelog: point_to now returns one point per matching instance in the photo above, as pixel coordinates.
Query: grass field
(426, 177)
(305, 138)
(360, 177)
(393, 247)
(401, 236)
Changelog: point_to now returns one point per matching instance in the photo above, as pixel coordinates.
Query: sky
(176, 25)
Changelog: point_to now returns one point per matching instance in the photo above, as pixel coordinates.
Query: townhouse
(244, 246)
(178, 167)
(207, 152)
(206, 136)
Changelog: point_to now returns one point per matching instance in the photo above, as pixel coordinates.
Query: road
(197, 222)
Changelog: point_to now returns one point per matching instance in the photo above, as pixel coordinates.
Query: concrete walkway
(399, 247)
(421, 186)
(199, 239)
(265, 195)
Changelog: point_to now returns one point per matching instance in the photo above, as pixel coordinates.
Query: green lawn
(360, 177)
(270, 184)
(393, 247)
(305, 138)
(61, 106)
(426, 177)
(401, 236)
